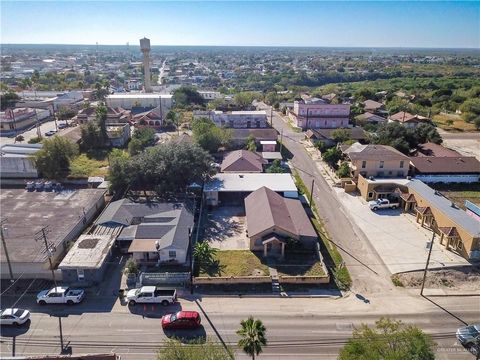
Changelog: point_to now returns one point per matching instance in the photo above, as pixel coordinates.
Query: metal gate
(178, 279)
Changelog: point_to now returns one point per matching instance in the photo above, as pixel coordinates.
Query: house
(435, 150)
(325, 135)
(240, 136)
(114, 115)
(457, 231)
(268, 145)
(16, 161)
(373, 106)
(85, 115)
(15, 121)
(87, 260)
(408, 119)
(151, 118)
(210, 95)
(376, 161)
(432, 169)
(118, 134)
(130, 100)
(235, 119)
(232, 188)
(243, 161)
(329, 97)
(368, 117)
(63, 214)
(273, 219)
(317, 114)
(152, 231)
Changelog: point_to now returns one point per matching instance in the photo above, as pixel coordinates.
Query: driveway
(226, 228)
(397, 238)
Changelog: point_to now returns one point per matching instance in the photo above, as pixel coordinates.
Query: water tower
(145, 48)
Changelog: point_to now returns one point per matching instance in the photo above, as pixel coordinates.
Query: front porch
(274, 246)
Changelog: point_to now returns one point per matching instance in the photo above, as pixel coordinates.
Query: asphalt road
(44, 127)
(296, 328)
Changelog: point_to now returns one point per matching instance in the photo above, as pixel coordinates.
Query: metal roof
(248, 182)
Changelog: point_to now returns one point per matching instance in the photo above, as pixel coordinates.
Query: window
(382, 163)
(81, 274)
(401, 164)
(249, 124)
(370, 195)
(364, 164)
(172, 254)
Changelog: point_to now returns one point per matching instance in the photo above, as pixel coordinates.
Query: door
(55, 298)
(7, 320)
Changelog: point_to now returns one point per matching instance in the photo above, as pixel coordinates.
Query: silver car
(14, 317)
(469, 335)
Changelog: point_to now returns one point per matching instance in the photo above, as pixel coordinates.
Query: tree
(172, 119)
(389, 339)
(344, 170)
(252, 336)
(173, 349)
(427, 133)
(19, 138)
(8, 99)
(476, 122)
(332, 156)
(204, 254)
(141, 139)
(340, 135)
(91, 136)
(65, 113)
(209, 136)
(244, 99)
(187, 96)
(250, 143)
(276, 167)
(53, 159)
(166, 168)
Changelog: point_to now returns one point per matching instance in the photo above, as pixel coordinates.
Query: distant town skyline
(283, 23)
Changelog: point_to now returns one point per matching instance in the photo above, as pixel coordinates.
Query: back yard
(458, 193)
(237, 263)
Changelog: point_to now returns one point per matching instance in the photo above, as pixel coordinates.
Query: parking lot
(396, 237)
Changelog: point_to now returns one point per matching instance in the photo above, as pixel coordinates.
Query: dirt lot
(458, 193)
(225, 229)
(466, 278)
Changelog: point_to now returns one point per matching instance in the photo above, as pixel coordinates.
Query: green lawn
(237, 263)
(304, 263)
(458, 124)
(84, 166)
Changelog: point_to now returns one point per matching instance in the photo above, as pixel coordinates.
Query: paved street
(44, 127)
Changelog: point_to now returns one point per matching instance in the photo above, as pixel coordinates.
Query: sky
(234, 23)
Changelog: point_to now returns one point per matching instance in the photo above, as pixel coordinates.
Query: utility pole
(428, 261)
(311, 192)
(5, 249)
(50, 249)
(271, 116)
(281, 141)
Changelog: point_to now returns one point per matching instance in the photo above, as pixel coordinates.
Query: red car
(181, 320)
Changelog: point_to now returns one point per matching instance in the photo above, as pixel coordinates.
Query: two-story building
(319, 114)
(15, 121)
(376, 161)
(235, 119)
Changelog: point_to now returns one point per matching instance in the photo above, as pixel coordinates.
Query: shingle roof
(376, 152)
(266, 209)
(403, 116)
(355, 133)
(370, 117)
(446, 165)
(242, 161)
(432, 149)
(370, 104)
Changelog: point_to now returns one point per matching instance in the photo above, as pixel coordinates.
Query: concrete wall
(128, 102)
(283, 279)
(205, 280)
(17, 167)
(29, 271)
(447, 178)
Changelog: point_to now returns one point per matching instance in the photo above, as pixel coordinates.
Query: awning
(142, 245)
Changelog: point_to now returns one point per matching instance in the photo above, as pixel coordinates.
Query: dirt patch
(466, 278)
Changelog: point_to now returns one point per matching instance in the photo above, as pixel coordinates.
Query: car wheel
(394, 207)
(42, 302)
(132, 303)
(375, 209)
(165, 303)
(69, 302)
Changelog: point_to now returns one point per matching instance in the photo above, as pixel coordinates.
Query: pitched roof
(446, 165)
(242, 161)
(375, 152)
(370, 104)
(355, 133)
(432, 149)
(367, 116)
(266, 209)
(404, 117)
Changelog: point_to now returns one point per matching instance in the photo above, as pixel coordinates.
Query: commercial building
(456, 230)
(51, 100)
(63, 214)
(16, 161)
(235, 119)
(317, 114)
(15, 121)
(148, 101)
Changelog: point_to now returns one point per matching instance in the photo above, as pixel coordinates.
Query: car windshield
(19, 312)
(471, 330)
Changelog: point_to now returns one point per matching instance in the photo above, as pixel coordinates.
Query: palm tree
(252, 333)
(204, 254)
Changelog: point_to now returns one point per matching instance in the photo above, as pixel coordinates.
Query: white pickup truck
(382, 204)
(151, 295)
(60, 295)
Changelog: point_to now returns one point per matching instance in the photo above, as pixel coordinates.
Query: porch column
(265, 250)
(423, 220)
(283, 250)
(441, 238)
(418, 216)
(447, 246)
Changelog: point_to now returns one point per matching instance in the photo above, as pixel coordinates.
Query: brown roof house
(243, 161)
(368, 117)
(272, 219)
(408, 119)
(376, 161)
(373, 106)
(325, 135)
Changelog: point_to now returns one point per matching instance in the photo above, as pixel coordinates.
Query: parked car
(469, 336)
(382, 204)
(62, 126)
(14, 316)
(50, 133)
(181, 320)
(60, 295)
(151, 294)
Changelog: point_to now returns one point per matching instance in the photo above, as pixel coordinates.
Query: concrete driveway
(397, 238)
(226, 228)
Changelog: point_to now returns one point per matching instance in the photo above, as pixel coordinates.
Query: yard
(458, 193)
(452, 123)
(300, 263)
(237, 263)
(85, 165)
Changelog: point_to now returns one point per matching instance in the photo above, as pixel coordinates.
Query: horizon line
(267, 46)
